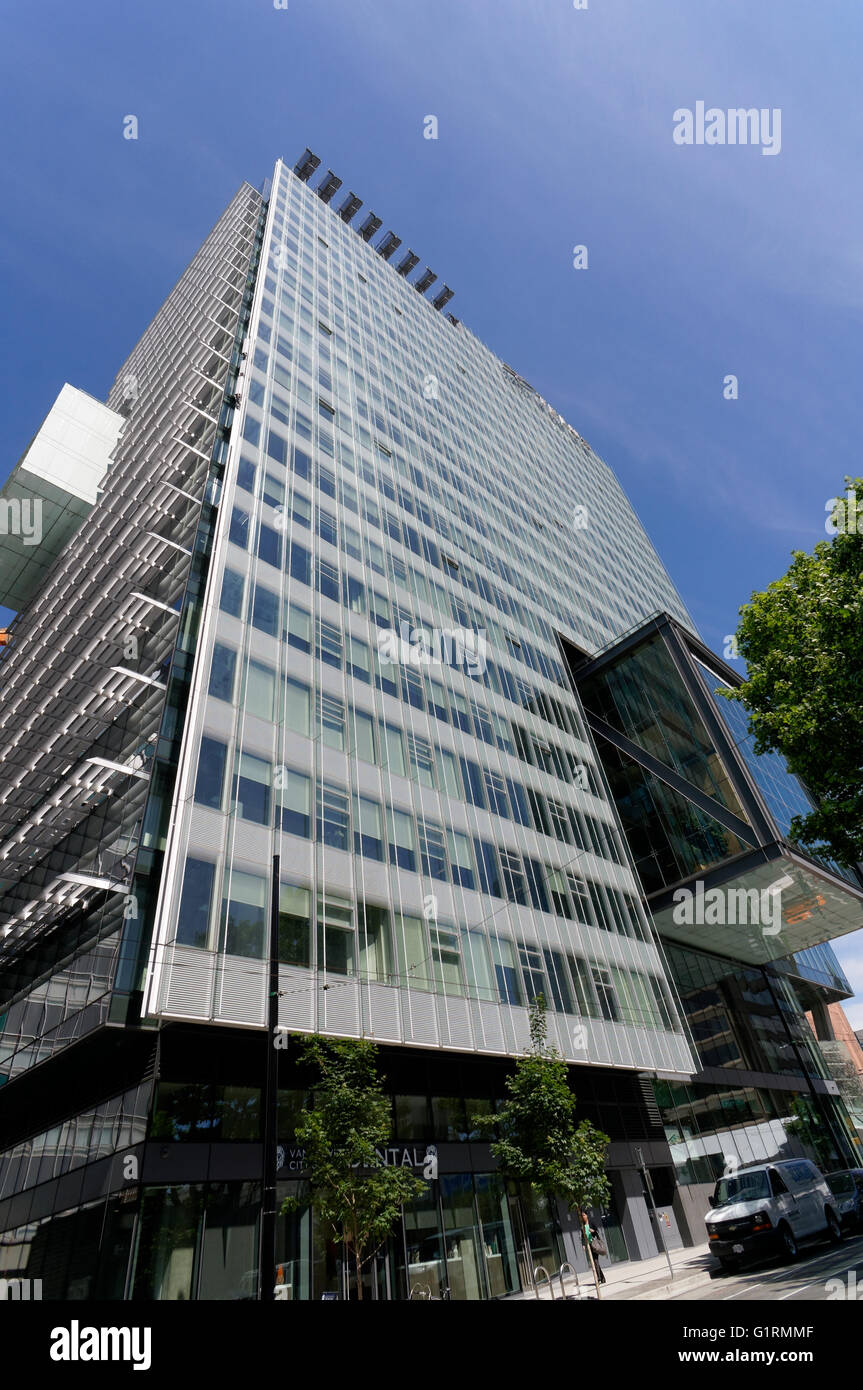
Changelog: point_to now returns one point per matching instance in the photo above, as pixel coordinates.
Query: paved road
(800, 1281)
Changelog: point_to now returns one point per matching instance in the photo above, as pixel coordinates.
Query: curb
(672, 1288)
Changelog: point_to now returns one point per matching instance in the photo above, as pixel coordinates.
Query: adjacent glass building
(299, 712)
(744, 914)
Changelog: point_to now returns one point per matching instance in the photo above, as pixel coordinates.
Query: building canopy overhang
(759, 908)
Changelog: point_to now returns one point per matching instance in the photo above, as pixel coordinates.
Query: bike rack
(541, 1269)
(573, 1270)
(422, 1291)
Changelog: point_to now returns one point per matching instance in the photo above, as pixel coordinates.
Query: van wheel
(729, 1266)
(834, 1230)
(790, 1248)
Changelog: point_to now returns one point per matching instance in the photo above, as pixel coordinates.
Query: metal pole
(648, 1185)
(267, 1258)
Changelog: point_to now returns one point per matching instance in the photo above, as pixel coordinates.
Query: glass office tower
(335, 718)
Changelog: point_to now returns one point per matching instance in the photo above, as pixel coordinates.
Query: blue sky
(555, 129)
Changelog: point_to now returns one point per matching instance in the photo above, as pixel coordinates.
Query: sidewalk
(641, 1279)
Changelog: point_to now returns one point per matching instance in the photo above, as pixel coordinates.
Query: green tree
(802, 641)
(356, 1200)
(538, 1141)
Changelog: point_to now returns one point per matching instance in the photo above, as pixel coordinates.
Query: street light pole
(267, 1256)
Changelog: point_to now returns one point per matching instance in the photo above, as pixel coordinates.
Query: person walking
(591, 1239)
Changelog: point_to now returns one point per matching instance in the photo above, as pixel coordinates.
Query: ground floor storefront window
(465, 1238)
(198, 1241)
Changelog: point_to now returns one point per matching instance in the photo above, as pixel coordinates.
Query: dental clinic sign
(397, 1156)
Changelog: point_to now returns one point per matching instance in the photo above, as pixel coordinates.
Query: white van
(767, 1206)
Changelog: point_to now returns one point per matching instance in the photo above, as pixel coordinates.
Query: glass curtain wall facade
(379, 697)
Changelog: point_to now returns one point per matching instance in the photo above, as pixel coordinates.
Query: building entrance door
(524, 1257)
